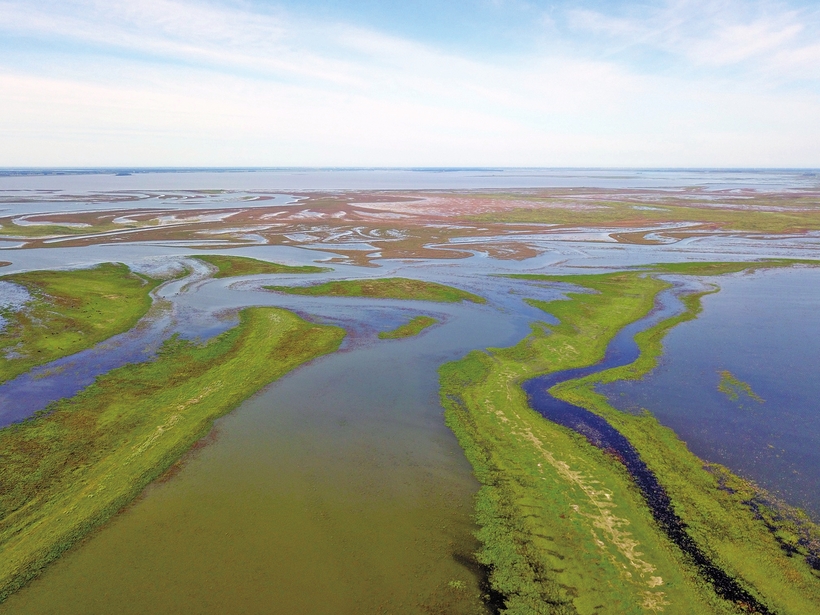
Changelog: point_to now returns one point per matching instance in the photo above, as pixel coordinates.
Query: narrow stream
(623, 350)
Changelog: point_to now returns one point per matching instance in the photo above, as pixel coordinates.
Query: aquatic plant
(731, 386)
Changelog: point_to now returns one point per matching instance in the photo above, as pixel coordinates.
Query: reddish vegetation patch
(360, 226)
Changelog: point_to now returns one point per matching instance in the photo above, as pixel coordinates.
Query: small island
(233, 266)
(384, 288)
(409, 329)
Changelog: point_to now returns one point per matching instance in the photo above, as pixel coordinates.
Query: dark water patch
(622, 351)
(493, 599)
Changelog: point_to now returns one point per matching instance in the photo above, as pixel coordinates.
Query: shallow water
(405, 179)
(765, 329)
(336, 490)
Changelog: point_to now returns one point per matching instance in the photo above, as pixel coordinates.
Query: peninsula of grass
(409, 329)
(69, 312)
(68, 470)
(232, 266)
(384, 288)
(563, 527)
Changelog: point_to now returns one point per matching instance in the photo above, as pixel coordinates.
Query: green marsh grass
(624, 214)
(409, 329)
(70, 311)
(68, 470)
(384, 288)
(563, 528)
(230, 266)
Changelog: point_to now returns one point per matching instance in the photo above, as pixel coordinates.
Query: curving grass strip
(563, 528)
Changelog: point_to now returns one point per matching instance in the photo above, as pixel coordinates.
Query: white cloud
(712, 33)
(195, 84)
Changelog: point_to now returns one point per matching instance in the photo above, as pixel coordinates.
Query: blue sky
(366, 83)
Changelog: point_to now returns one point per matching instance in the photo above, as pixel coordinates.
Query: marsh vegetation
(563, 526)
(409, 329)
(69, 311)
(68, 470)
(384, 288)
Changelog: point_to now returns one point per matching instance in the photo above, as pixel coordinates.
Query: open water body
(764, 328)
(337, 489)
(402, 179)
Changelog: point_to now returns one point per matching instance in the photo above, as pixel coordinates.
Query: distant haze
(681, 83)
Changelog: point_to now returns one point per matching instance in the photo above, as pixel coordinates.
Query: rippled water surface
(763, 328)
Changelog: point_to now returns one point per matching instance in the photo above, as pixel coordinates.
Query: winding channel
(621, 351)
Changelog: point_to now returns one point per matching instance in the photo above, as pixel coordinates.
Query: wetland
(594, 397)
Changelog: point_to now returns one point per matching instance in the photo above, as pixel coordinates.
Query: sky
(677, 83)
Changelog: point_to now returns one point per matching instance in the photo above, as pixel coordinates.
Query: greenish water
(337, 490)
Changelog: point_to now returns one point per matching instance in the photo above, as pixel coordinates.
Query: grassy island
(69, 312)
(563, 526)
(68, 470)
(409, 329)
(232, 266)
(384, 288)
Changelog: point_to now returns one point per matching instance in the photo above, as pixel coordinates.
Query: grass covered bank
(409, 329)
(384, 288)
(564, 529)
(232, 266)
(69, 312)
(66, 472)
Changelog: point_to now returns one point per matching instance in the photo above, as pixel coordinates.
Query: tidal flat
(339, 487)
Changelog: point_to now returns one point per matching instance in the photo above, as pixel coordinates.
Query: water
(622, 351)
(404, 179)
(338, 489)
(765, 329)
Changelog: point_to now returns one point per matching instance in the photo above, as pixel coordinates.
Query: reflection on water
(764, 329)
